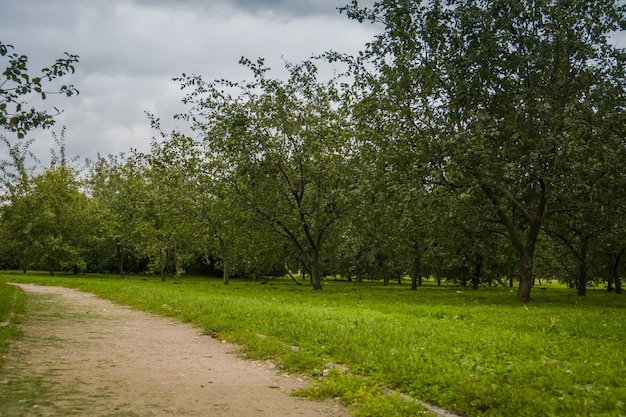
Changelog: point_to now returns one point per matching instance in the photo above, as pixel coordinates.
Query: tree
(16, 211)
(281, 148)
(155, 200)
(48, 225)
(107, 183)
(232, 235)
(45, 216)
(16, 85)
(505, 98)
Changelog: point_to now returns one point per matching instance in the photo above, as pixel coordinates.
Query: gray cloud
(277, 8)
(131, 49)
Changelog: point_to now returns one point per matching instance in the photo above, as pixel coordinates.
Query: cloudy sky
(131, 49)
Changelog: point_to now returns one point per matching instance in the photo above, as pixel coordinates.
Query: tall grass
(481, 353)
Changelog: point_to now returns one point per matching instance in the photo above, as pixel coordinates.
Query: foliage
(464, 350)
(464, 142)
(281, 149)
(152, 202)
(511, 101)
(16, 85)
(46, 222)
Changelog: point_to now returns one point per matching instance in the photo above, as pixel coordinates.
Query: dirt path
(84, 356)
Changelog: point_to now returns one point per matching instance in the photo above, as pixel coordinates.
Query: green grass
(12, 303)
(481, 353)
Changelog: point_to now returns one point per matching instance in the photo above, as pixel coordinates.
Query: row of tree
(474, 140)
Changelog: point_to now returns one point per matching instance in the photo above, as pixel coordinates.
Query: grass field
(480, 353)
(11, 308)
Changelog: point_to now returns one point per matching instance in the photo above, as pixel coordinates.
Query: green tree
(156, 205)
(281, 149)
(16, 85)
(48, 225)
(45, 216)
(232, 236)
(106, 183)
(504, 98)
(16, 181)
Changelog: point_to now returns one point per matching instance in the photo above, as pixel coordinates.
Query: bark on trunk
(581, 282)
(163, 265)
(416, 273)
(524, 243)
(478, 267)
(315, 270)
(178, 265)
(120, 259)
(225, 261)
(525, 276)
(615, 272)
(292, 277)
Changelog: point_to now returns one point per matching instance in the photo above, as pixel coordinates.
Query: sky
(131, 49)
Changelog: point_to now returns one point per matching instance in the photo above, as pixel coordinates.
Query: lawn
(11, 308)
(479, 353)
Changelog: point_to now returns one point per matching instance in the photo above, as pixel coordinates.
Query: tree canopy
(18, 85)
(471, 140)
(514, 100)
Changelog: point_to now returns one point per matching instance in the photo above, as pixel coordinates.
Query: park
(438, 222)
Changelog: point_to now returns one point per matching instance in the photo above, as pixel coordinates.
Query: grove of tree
(475, 141)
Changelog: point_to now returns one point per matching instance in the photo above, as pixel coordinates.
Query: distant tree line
(475, 141)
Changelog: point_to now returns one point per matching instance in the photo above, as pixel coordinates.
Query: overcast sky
(131, 49)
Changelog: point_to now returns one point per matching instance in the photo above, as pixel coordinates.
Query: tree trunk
(525, 275)
(225, 261)
(120, 259)
(294, 279)
(315, 270)
(524, 243)
(583, 259)
(478, 267)
(163, 264)
(178, 266)
(581, 283)
(416, 273)
(615, 271)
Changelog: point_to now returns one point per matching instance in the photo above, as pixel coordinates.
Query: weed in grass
(553, 320)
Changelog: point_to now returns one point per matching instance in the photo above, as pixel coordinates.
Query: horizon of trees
(475, 141)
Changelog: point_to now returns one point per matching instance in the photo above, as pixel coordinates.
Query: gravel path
(84, 356)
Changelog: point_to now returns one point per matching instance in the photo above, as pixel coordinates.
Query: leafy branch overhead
(17, 87)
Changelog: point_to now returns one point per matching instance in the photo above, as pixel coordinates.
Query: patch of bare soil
(84, 356)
